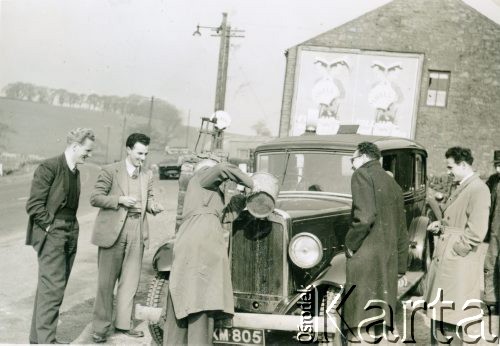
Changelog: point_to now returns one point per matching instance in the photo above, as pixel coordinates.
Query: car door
(401, 164)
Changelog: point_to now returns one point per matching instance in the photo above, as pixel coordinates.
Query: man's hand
(434, 227)
(348, 252)
(157, 208)
(402, 281)
(127, 201)
(459, 250)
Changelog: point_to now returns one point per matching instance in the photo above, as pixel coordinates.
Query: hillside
(41, 129)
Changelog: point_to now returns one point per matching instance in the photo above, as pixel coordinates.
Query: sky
(146, 47)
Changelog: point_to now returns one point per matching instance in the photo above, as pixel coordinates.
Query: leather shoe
(494, 308)
(131, 332)
(98, 338)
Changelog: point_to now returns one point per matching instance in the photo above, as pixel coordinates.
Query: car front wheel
(330, 294)
(157, 298)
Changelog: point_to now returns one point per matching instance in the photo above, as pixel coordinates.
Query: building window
(439, 83)
(243, 153)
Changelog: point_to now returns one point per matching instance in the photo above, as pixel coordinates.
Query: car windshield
(309, 171)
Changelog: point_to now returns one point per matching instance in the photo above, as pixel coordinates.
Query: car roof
(346, 142)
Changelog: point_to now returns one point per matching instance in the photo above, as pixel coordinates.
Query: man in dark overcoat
(200, 288)
(491, 262)
(376, 243)
(53, 229)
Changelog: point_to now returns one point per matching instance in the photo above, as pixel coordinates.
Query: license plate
(238, 336)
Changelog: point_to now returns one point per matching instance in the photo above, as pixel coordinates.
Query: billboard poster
(376, 90)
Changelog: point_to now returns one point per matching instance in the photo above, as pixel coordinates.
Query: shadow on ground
(73, 322)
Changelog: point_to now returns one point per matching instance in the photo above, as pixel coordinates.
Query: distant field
(41, 129)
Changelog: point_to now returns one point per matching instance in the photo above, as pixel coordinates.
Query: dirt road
(18, 266)
(18, 263)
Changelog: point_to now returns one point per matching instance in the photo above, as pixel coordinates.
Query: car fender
(334, 274)
(417, 241)
(162, 259)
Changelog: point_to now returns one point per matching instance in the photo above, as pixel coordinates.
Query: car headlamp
(305, 250)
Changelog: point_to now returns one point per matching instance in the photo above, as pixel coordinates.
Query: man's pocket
(38, 237)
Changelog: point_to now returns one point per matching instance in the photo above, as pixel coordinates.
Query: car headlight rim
(314, 245)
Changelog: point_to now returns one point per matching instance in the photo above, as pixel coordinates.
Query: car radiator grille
(257, 251)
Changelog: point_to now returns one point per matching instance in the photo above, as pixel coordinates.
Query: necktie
(135, 174)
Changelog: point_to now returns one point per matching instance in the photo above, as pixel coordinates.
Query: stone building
(457, 94)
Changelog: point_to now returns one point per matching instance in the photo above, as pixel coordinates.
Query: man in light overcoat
(456, 265)
(492, 262)
(200, 290)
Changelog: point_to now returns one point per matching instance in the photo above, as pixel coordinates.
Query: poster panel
(376, 90)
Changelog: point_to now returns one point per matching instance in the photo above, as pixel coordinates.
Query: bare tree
(260, 128)
(14, 90)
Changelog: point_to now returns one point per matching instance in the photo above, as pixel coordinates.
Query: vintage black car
(169, 169)
(171, 166)
(293, 261)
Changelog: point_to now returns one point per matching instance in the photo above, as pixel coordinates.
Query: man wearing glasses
(456, 266)
(376, 243)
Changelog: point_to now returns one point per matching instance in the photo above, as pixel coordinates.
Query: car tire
(332, 339)
(157, 296)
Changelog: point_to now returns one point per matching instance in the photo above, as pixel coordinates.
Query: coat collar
(369, 163)
(62, 160)
(122, 175)
(144, 188)
(459, 189)
(64, 170)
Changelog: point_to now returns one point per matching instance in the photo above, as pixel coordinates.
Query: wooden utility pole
(223, 31)
(124, 128)
(187, 128)
(220, 87)
(151, 105)
(108, 129)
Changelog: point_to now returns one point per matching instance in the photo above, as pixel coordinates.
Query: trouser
(440, 330)
(363, 337)
(55, 260)
(491, 270)
(121, 262)
(196, 329)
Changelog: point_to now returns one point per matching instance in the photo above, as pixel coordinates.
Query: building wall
(453, 37)
(240, 147)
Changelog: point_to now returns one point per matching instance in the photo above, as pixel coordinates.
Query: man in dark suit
(53, 229)
(124, 194)
(376, 243)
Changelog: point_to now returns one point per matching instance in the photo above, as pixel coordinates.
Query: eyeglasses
(354, 158)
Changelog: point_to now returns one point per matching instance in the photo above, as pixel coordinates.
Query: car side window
(401, 167)
(389, 163)
(404, 171)
(419, 172)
